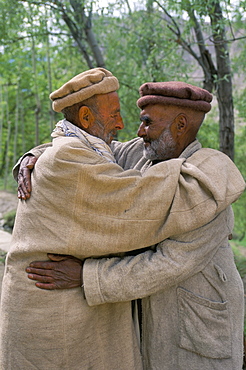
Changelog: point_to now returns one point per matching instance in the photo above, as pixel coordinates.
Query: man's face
(108, 120)
(159, 143)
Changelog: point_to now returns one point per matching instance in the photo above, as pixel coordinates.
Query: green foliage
(9, 220)
(239, 250)
(140, 49)
(2, 256)
(208, 134)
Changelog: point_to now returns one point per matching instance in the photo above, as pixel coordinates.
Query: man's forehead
(109, 97)
(155, 109)
(108, 103)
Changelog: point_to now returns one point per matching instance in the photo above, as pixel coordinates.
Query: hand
(24, 177)
(61, 272)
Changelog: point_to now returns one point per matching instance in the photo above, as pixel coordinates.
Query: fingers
(43, 282)
(46, 286)
(22, 194)
(40, 278)
(31, 162)
(24, 183)
(24, 177)
(39, 271)
(42, 265)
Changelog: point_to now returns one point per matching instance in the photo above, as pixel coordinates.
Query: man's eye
(146, 122)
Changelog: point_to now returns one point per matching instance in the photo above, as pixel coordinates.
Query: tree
(77, 16)
(216, 67)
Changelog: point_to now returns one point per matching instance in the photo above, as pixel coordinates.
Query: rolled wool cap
(175, 93)
(83, 86)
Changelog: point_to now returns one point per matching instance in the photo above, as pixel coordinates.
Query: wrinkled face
(108, 119)
(154, 129)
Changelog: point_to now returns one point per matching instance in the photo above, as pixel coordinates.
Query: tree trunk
(82, 25)
(1, 121)
(7, 142)
(216, 78)
(51, 112)
(224, 82)
(38, 105)
(16, 121)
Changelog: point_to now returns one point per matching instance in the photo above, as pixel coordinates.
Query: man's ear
(179, 124)
(86, 117)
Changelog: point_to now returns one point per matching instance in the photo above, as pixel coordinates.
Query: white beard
(162, 148)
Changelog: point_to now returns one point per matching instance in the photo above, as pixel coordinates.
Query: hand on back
(24, 177)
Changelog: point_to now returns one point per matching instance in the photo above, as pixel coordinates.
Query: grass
(239, 250)
(2, 257)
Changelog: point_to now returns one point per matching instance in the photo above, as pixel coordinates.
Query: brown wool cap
(175, 93)
(83, 86)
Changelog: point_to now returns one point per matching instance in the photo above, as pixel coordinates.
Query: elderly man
(192, 295)
(107, 213)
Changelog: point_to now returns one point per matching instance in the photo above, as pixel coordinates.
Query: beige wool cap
(83, 86)
(175, 93)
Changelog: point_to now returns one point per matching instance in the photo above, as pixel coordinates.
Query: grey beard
(149, 153)
(162, 148)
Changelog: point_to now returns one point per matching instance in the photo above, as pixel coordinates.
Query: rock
(5, 239)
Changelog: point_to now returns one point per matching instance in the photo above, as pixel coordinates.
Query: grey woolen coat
(192, 295)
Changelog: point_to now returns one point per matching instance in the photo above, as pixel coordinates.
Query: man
(80, 198)
(192, 294)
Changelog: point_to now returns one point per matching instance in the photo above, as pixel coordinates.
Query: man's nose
(119, 124)
(141, 130)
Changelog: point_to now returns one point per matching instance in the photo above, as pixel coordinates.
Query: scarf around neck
(66, 128)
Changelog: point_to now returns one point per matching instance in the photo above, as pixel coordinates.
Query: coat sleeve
(36, 152)
(129, 153)
(170, 262)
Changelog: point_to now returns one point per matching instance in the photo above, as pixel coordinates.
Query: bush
(9, 220)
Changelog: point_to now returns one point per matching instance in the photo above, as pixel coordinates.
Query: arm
(122, 279)
(172, 197)
(23, 169)
(110, 280)
(25, 165)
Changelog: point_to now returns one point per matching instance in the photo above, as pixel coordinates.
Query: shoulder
(65, 150)
(210, 155)
(129, 153)
(218, 167)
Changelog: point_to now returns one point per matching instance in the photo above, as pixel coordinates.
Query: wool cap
(83, 86)
(175, 93)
